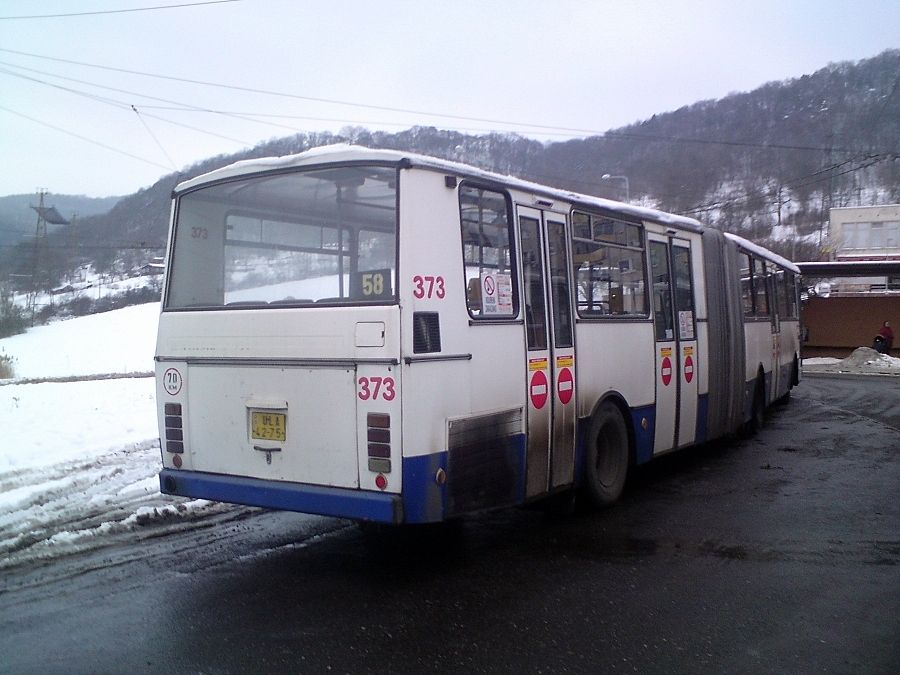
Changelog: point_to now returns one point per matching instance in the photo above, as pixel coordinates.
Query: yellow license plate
(268, 426)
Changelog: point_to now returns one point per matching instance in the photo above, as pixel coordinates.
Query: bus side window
(485, 225)
(760, 288)
(747, 284)
(473, 295)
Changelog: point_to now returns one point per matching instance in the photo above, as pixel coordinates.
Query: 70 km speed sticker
(172, 381)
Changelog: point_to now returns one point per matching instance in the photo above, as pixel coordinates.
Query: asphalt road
(777, 553)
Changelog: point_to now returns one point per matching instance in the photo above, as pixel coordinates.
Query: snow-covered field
(78, 460)
(113, 342)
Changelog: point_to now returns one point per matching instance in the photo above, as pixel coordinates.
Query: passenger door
(550, 343)
(675, 332)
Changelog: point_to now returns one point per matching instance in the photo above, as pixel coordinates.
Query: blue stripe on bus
(702, 418)
(424, 501)
(327, 501)
(643, 438)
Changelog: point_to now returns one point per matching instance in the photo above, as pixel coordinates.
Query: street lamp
(606, 176)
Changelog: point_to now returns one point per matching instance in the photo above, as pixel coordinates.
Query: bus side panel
(613, 357)
(701, 372)
(477, 372)
(701, 366)
(790, 349)
(726, 363)
(758, 348)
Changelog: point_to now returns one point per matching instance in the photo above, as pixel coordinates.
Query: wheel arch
(617, 399)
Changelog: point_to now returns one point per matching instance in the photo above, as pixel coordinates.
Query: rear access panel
(279, 423)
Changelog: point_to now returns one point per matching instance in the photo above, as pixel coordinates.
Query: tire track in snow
(75, 506)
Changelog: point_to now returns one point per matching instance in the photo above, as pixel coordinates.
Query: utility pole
(40, 235)
(70, 246)
(45, 215)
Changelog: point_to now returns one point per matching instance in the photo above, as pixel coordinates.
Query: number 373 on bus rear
(395, 338)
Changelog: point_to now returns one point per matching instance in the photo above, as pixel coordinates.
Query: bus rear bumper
(329, 501)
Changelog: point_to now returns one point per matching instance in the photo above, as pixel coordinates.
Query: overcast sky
(549, 70)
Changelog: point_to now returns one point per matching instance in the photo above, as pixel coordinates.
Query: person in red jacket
(887, 333)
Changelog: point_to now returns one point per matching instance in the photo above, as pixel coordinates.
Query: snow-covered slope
(113, 342)
(78, 460)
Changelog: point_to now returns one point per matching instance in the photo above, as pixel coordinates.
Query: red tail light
(378, 438)
(174, 430)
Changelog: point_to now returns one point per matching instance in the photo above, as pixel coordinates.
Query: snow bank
(79, 460)
(121, 341)
(863, 360)
(45, 424)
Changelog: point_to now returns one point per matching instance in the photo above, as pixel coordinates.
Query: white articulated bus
(396, 338)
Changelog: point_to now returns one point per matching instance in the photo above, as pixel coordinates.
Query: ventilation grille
(426, 333)
(484, 467)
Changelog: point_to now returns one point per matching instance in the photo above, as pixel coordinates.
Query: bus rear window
(324, 236)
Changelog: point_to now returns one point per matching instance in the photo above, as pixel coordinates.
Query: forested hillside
(780, 155)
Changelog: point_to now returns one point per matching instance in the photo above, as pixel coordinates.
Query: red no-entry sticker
(665, 370)
(565, 386)
(538, 389)
(688, 369)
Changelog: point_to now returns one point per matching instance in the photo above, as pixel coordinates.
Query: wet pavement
(775, 553)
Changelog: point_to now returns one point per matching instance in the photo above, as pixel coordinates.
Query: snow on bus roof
(355, 153)
(756, 249)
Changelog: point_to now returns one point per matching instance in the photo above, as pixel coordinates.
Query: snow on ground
(78, 460)
(863, 360)
(122, 341)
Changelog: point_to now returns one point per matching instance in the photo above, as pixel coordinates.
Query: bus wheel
(758, 415)
(606, 456)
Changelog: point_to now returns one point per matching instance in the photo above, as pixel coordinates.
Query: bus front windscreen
(322, 236)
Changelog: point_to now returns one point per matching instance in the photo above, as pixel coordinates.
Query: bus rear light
(381, 482)
(378, 436)
(378, 421)
(377, 465)
(174, 431)
(379, 450)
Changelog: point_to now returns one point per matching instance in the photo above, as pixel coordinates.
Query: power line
(268, 92)
(535, 126)
(155, 139)
(178, 106)
(119, 11)
(117, 103)
(84, 138)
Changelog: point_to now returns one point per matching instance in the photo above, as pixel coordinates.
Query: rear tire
(758, 413)
(607, 456)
